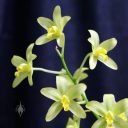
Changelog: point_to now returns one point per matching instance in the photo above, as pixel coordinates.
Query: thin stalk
(64, 65)
(46, 70)
(84, 61)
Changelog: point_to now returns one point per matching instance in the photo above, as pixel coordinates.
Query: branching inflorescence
(69, 93)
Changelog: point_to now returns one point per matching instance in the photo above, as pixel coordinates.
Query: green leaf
(92, 62)
(110, 63)
(100, 123)
(94, 39)
(65, 20)
(45, 22)
(121, 107)
(77, 110)
(17, 60)
(51, 93)
(53, 111)
(57, 16)
(61, 40)
(44, 39)
(19, 79)
(109, 101)
(75, 91)
(97, 108)
(108, 44)
(62, 84)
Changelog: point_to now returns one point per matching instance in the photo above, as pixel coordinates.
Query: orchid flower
(64, 97)
(54, 28)
(112, 114)
(24, 68)
(99, 51)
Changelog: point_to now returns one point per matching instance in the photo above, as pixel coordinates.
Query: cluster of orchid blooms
(69, 93)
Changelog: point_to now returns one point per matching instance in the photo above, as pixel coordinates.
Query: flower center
(123, 116)
(22, 68)
(53, 32)
(65, 102)
(101, 52)
(109, 118)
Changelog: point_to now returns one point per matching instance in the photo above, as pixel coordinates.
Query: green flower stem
(46, 70)
(62, 51)
(84, 61)
(64, 64)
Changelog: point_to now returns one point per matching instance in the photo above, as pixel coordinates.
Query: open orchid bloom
(112, 114)
(99, 51)
(54, 28)
(24, 68)
(64, 97)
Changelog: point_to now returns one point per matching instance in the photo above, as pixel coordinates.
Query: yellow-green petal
(19, 79)
(57, 16)
(77, 110)
(80, 75)
(51, 93)
(45, 22)
(61, 40)
(121, 107)
(110, 63)
(30, 81)
(29, 55)
(119, 123)
(17, 60)
(44, 39)
(94, 39)
(92, 62)
(53, 111)
(75, 91)
(65, 20)
(97, 108)
(100, 123)
(109, 101)
(62, 84)
(108, 44)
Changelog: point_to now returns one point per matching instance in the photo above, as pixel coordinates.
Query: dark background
(18, 28)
